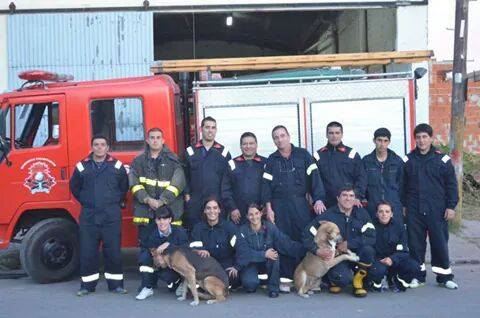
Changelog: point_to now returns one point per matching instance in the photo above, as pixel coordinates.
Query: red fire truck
(45, 129)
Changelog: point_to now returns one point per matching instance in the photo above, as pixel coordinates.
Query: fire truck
(46, 127)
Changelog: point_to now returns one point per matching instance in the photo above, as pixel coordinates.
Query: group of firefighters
(258, 216)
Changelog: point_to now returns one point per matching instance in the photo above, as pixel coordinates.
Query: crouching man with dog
(358, 233)
(161, 237)
(265, 241)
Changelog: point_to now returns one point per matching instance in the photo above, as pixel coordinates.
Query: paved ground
(23, 298)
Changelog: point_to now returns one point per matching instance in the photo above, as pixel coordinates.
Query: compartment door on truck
(305, 108)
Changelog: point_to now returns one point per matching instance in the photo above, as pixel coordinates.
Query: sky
(441, 22)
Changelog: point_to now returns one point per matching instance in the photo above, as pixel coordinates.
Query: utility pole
(459, 95)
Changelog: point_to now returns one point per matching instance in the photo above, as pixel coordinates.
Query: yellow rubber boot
(358, 290)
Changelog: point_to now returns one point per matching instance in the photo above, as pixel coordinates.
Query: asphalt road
(24, 298)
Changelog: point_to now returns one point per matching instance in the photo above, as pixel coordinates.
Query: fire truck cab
(45, 129)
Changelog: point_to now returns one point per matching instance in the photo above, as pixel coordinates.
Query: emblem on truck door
(39, 178)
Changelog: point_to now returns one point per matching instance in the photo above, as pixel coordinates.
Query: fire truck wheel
(50, 250)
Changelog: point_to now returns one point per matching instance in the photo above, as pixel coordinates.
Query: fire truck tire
(50, 250)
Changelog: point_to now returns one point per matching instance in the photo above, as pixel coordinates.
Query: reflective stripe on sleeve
(316, 156)
(367, 226)
(178, 222)
(445, 158)
(310, 169)
(190, 151)
(196, 244)
(313, 230)
(137, 187)
(399, 247)
(163, 184)
(173, 189)
(80, 167)
(405, 158)
(118, 165)
(267, 176)
(262, 276)
(233, 240)
(225, 152)
(352, 154)
(232, 164)
(139, 220)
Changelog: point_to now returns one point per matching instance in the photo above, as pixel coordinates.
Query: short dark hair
(334, 124)
(280, 127)
(247, 134)
(154, 129)
(99, 136)
(347, 188)
(384, 202)
(208, 118)
(255, 205)
(423, 128)
(382, 132)
(164, 212)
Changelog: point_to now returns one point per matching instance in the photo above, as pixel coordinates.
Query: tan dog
(312, 268)
(205, 271)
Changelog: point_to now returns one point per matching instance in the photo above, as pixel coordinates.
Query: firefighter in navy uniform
(340, 166)
(156, 178)
(220, 239)
(358, 232)
(100, 183)
(431, 194)
(265, 241)
(290, 177)
(162, 236)
(245, 186)
(392, 259)
(206, 170)
(384, 169)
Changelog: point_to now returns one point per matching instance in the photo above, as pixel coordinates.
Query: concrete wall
(351, 32)
(440, 108)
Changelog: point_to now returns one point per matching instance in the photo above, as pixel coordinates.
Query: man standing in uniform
(100, 183)
(384, 170)
(290, 175)
(156, 179)
(245, 172)
(431, 195)
(340, 166)
(206, 171)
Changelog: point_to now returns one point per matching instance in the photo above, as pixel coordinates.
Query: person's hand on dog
(342, 247)
(386, 261)
(358, 203)
(232, 272)
(271, 254)
(319, 207)
(235, 216)
(163, 247)
(449, 214)
(202, 253)
(325, 254)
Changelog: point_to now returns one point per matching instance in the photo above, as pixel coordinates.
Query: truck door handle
(63, 173)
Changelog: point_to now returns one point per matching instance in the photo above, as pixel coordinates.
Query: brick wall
(440, 108)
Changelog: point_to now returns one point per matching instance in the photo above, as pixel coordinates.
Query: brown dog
(205, 271)
(312, 268)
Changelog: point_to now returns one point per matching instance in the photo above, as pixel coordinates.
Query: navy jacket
(100, 189)
(206, 170)
(385, 182)
(292, 177)
(178, 237)
(268, 237)
(357, 229)
(245, 184)
(222, 241)
(391, 240)
(340, 166)
(430, 183)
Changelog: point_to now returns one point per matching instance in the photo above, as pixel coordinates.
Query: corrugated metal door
(92, 45)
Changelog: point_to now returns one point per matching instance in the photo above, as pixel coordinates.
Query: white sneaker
(180, 289)
(450, 284)
(144, 293)
(284, 288)
(415, 283)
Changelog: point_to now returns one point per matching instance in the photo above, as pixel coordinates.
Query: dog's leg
(216, 288)
(192, 284)
(300, 278)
